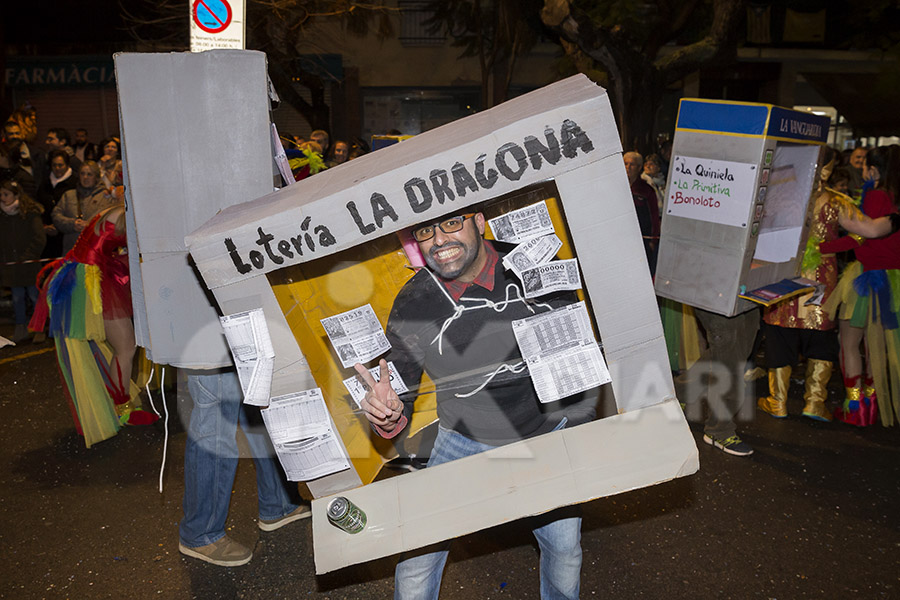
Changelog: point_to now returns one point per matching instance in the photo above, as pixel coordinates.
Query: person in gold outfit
(793, 326)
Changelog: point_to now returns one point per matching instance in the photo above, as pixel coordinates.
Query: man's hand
(80, 224)
(381, 403)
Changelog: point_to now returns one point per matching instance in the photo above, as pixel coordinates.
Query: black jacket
(474, 344)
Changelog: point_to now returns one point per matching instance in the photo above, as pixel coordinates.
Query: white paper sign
(717, 191)
(216, 24)
(356, 335)
(358, 392)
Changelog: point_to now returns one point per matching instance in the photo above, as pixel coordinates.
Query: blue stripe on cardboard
(747, 119)
(798, 125)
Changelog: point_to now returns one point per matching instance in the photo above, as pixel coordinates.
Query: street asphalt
(812, 514)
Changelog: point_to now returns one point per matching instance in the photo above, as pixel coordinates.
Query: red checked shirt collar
(484, 279)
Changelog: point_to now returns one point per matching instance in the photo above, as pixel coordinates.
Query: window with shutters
(413, 28)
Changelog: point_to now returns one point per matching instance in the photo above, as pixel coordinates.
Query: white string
(149, 395)
(501, 306)
(485, 303)
(442, 287)
(516, 368)
(162, 468)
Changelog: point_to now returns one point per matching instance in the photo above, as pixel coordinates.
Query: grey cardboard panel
(195, 134)
(136, 281)
(607, 238)
(184, 326)
(141, 327)
(412, 511)
(641, 376)
(282, 214)
(197, 125)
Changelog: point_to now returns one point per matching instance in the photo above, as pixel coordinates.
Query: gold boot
(776, 402)
(818, 373)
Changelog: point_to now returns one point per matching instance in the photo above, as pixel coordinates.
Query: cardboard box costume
(564, 133)
(327, 245)
(737, 207)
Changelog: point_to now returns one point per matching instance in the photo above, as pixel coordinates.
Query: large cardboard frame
(564, 132)
(705, 263)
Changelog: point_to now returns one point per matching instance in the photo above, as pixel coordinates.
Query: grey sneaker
(304, 511)
(733, 445)
(224, 552)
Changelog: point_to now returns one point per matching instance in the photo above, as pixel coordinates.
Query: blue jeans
(418, 576)
(211, 459)
(20, 309)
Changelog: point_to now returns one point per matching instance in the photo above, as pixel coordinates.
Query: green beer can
(344, 514)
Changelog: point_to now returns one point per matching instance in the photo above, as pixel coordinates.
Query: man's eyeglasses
(451, 225)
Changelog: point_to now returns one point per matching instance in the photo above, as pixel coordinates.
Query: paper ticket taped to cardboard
(562, 355)
(248, 337)
(531, 253)
(552, 277)
(301, 432)
(519, 225)
(356, 335)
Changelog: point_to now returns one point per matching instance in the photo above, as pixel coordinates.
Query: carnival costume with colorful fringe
(817, 337)
(868, 296)
(78, 292)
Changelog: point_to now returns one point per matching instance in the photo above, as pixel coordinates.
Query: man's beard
(457, 267)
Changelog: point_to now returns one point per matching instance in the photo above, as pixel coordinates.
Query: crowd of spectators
(58, 185)
(67, 180)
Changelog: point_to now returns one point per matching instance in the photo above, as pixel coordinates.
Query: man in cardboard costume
(452, 320)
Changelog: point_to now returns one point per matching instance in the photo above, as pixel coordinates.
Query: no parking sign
(217, 24)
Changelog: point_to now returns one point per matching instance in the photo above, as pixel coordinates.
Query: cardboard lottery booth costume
(737, 205)
(328, 245)
(559, 144)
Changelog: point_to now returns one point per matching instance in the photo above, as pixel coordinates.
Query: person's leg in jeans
(419, 577)
(418, 574)
(20, 313)
(19, 307)
(210, 457)
(277, 496)
(730, 342)
(559, 537)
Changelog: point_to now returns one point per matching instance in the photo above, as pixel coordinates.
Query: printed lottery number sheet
(301, 432)
(562, 356)
(254, 357)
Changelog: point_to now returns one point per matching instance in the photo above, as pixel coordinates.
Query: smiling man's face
(457, 255)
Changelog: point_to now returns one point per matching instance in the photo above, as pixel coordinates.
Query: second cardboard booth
(737, 204)
(333, 245)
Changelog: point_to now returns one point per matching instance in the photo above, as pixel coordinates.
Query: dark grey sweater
(474, 344)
